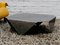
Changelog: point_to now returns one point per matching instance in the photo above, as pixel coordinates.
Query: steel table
(26, 23)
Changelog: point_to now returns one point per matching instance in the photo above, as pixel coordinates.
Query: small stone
(1, 30)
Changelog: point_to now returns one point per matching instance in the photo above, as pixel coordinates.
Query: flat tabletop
(29, 17)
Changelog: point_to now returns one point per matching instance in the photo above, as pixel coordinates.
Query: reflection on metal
(27, 23)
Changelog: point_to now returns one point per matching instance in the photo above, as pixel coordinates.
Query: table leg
(5, 20)
(51, 24)
(12, 27)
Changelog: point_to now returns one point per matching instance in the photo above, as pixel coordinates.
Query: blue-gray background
(35, 6)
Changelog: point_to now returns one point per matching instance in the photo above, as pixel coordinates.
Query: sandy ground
(8, 38)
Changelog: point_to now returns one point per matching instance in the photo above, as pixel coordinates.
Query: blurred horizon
(51, 7)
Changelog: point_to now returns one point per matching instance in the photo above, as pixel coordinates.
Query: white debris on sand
(9, 38)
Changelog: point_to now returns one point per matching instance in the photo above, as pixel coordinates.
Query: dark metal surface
(29, 17)
(25, 22)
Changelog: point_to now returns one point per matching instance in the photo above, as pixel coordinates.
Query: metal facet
(28, 17)
(25, 21)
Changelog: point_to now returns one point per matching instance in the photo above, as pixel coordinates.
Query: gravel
(10, 38)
